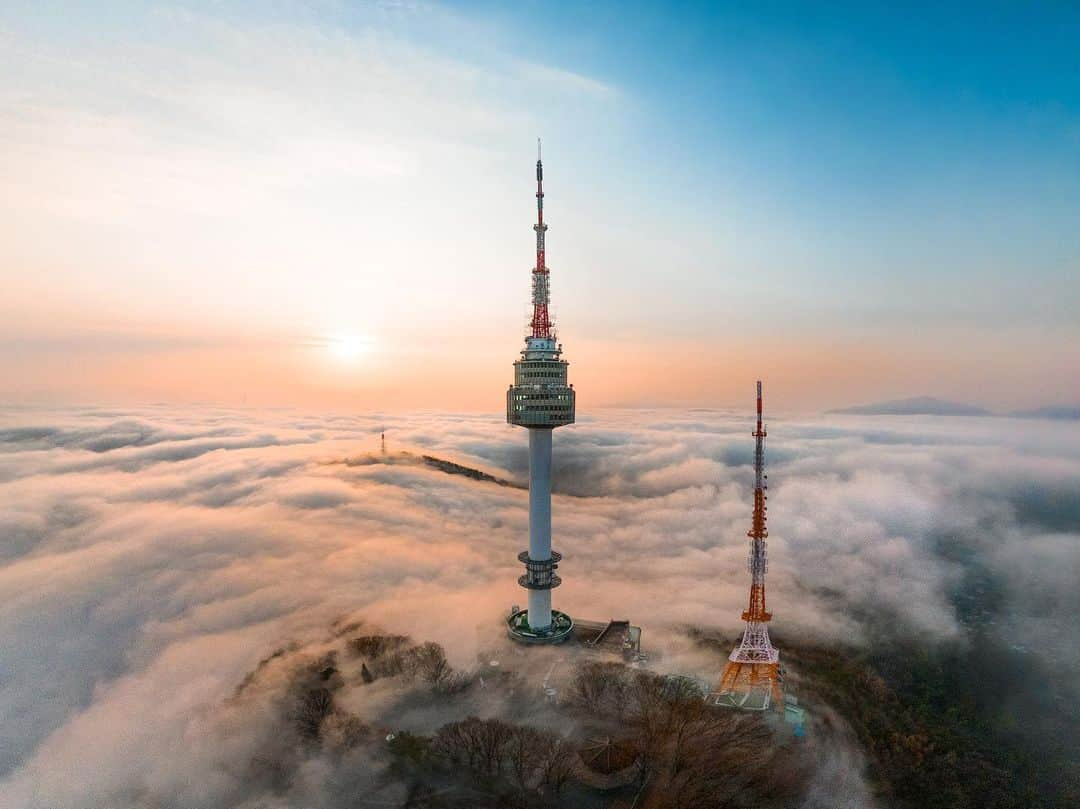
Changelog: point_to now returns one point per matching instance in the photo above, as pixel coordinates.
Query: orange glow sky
(207, 217)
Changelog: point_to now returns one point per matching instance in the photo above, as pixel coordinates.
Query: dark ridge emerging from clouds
(401, 457)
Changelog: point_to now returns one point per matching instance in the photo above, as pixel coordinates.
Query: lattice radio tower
(751, 678)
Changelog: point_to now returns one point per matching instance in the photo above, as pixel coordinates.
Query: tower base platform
(614, 637)
(755, 698)
(517, 627)
(749, 686)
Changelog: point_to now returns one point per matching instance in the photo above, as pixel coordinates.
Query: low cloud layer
(150, 558)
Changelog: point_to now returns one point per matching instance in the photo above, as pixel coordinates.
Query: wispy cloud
(163, 552)
(568, 80)
(304, 151)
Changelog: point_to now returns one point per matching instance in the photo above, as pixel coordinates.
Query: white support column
(540, 520)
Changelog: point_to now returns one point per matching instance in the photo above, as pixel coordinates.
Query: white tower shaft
(540, 520)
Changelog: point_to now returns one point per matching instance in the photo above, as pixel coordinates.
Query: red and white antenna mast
(758, 532)
(541, 319)
(751, 678)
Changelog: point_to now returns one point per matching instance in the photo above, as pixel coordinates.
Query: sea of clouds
(150, 557)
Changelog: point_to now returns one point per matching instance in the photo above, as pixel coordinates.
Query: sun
(348, 347)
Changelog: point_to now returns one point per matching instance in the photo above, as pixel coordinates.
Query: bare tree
(375, 646)
(343, 731)
(600, 688)
(494, 736)
(426, 661)
(648, 716)
(520, 755)
(309, 709)
(480, 744)
(555, 760)
(430, 663)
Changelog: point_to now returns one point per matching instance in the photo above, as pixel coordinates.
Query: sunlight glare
(348, 347)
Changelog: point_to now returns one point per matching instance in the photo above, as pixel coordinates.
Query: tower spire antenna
(751, 678)
(541, 320)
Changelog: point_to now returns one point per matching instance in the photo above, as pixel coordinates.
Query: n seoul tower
(541, 400)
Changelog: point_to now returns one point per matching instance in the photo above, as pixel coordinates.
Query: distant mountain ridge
(916, 406)
(1063, 412)
(930, 406)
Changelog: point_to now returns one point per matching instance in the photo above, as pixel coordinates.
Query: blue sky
(947, 138)
(781, 182)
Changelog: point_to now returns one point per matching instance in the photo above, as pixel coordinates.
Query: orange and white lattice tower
(751, 679)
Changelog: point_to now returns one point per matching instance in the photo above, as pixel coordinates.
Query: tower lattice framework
(751, 678)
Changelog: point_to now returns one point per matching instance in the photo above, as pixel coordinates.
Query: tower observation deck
(540, 400)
